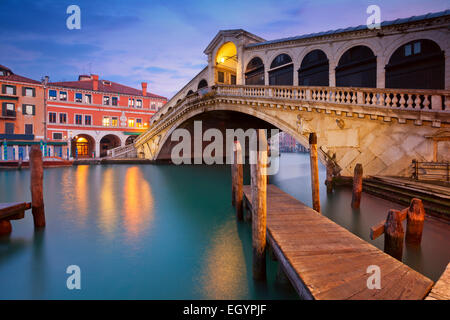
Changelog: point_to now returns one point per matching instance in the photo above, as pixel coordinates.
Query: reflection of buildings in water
(224, 271)
(81, 190)
(138, 203)
(108, 205)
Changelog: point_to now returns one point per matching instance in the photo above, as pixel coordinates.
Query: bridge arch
(357, 67)
(202, 84)
(255, 72)
(314, 69)
(258, 114)
(417, 64)
(281, 70)
(226, 63)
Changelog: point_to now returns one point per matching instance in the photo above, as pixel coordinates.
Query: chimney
(94, 82)
(144, 88)
(45, 80)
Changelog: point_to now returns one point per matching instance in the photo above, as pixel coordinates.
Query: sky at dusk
(162, 42)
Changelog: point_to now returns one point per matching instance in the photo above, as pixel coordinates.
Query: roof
(15, 77)
(358, 28)
(231, 33)
(113, 88)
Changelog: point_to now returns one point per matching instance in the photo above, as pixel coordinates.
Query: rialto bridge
(377, 97)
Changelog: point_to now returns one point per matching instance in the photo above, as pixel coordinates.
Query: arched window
(202, 84)
(419, 64)
(281, 71)
(314, 70)
(254, 74)
(357, 68)
(189, 93)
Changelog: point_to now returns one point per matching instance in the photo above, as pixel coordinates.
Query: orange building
(22, 114)
(93, 115)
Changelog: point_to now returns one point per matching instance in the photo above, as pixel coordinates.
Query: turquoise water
(164, 232)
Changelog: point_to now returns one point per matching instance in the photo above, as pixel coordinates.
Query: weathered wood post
(238, 180)
(357, 186)
(233, 182)
(394, 234)
(314, 163)
(36, 186)
(5, 227)
(329, 181)
(259, 197)
(415, 219)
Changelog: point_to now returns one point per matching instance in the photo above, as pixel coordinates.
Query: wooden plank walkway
(325, 261)
(441, 290)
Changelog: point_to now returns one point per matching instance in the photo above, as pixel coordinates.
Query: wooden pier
(325, 261)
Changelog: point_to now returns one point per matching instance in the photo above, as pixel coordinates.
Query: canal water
(165, 232)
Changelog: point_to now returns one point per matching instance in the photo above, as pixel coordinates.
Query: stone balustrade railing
(433, 101)
(120, 151)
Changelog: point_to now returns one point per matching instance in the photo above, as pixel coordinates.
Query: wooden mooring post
(415, 220)
(314, 164)
(36, 186)
(5, 227)
(357, 186)
(330, 174)
(394, 235)
(393, 229)
(259, 206)
(238, 180)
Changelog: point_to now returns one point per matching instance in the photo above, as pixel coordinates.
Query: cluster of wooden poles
(259, 178)
(15, 211)
(392, 227)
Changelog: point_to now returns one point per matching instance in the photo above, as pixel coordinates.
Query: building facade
(93, 115)
(22, 114)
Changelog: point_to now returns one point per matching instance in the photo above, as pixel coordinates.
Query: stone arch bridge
(377, 97)
(383, 129)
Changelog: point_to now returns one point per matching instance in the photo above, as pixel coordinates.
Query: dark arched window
(202, 84)
(419, 64)
(282, 71)
(189, 93)
(254, 74)
(314, 70)
(357, 68)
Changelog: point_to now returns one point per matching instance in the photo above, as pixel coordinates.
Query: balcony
(8, 136)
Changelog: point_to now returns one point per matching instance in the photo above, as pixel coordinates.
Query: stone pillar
(295, 73)
(447, 74)
(97, 148)
(381, 74)
(266, 77)
(332, 74)
(211, 70)
(240, 65)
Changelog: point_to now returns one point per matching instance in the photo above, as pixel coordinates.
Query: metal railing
(431, 170)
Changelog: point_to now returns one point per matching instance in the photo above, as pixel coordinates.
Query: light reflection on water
(164, 232)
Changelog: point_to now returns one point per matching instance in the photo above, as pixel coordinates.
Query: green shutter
(4, 108)
(14, 90)
(24, 111)
(34, 92)
(23, 91)
(34, 110)
(3, 88)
